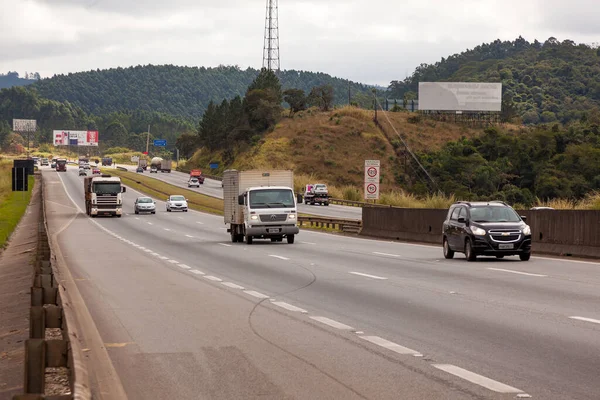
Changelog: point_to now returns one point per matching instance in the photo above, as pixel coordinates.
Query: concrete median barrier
(557, 232)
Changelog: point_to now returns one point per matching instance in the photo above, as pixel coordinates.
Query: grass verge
(12, 204)
(159, 189)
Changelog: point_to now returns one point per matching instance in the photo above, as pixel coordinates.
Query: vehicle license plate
(504, 246)
(276, 230)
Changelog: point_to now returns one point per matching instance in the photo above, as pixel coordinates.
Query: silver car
(177, 202)
(144, 204)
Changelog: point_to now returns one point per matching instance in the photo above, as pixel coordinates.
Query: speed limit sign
(372, 168)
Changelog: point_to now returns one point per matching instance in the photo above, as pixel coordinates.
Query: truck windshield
(271, 198)
(107, 188)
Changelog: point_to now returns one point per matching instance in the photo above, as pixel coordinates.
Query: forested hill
(546, 81)
(181, 91)
(13, 79)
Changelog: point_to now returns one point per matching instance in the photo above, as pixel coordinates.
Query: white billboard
(460, 96)
(24, 125)
(75, 138)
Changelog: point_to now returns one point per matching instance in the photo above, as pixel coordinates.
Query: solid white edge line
(367, 275)
(288, 306)
(213, 278)
(195, 271)
(390, 345)
(517, 272)
(594, 321)
(225, 244)
(256, 294)
(232, 285)
(477, 379)
(332, 323)
(280, 257)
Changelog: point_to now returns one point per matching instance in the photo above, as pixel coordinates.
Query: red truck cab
(196, 173)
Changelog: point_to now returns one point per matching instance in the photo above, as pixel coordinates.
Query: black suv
(485, 228)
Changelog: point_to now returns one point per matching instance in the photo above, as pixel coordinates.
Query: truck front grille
(273, 217)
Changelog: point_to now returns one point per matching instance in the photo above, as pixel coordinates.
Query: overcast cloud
(366, 41)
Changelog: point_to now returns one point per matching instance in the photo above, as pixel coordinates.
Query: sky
(371, 42)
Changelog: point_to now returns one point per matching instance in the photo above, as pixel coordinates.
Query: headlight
(477, 231)
(291, 216)
(254, 217)
(527, 230)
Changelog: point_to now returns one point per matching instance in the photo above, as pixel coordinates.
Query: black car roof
(494, 203)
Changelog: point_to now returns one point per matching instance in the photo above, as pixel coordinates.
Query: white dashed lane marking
(184, 266)
(225, 244)
(385, 254)
(195, 271)
(189, 236)
(288, 306)
(213, 278)
(390, 345)
(367, 275)
(516, 272)
(477, 379)
(232, 285)
(174, 261)
(594, 321)
(332, 323)
(280, 257)
(256, 294)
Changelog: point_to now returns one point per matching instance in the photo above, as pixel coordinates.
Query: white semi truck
(103, 195)
(260, 204)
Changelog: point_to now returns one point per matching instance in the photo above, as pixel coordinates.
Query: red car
(95, 171)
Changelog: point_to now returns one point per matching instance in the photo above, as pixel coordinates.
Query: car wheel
(525, 256)
(469, 253)
(153, 212)
(249, 239)
(168, 209)
(448, 252)
(500, 256)
(137, 212)
(290, 239)
(185, 210)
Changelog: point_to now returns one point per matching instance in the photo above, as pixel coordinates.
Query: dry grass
(12, 204)
(589, 202)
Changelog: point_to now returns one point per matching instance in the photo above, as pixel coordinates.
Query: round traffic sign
(371, 188)
(372, 172)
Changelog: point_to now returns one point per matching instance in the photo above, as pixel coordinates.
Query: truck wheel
(249, 239)
(290, 239)
(326, 204)
(234, 238)
(119, 216)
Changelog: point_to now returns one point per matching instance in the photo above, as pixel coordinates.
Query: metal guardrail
(353, 203)
(47, 312)
(344, 225)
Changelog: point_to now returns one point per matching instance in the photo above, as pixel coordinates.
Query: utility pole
(148, 139)
(349, 102)
(375, 102)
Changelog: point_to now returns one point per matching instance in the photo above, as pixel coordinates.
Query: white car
(144, 204)
(177, 202)
(193, 182)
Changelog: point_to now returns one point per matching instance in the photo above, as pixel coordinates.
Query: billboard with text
(81, 138)
(460, 96)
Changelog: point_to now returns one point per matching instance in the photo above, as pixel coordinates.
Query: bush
(351, 193)
(113, 150)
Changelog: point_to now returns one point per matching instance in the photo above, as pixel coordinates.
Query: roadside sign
(160, 142)
(135, 159)
(372, 173)
(213, 165)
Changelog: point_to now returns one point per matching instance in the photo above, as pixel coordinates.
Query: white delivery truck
(260, 204)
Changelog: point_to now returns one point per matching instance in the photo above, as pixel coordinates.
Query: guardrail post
(35, 368)
(37, 323)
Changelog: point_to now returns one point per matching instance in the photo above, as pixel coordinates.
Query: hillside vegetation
(546, 82)
(12, 78)
(179, 91)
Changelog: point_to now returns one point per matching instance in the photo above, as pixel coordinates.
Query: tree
(262, 109)
(268, 81)
(322, 97)
(296, 98)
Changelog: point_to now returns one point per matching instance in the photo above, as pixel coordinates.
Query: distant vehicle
(161, 164)
(144, 204)
(193, 182)
(154, 170)
(35, 160)
(107, 161)
(139, 169)
(542, 208)
(260, 204)
(196, 173)
(103, 195)
(45, 162)
(316, 193)
(82, 172)
(96, 171)
(177, 202)
(143, 163)
(86, 166)
(487, 229)
(53, 164)
(61, 165)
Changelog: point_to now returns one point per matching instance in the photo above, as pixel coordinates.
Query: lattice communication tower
(271, 43)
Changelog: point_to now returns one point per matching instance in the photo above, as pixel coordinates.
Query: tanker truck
(161, 164)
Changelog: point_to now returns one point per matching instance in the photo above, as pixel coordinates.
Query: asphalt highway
(186, 313)
(213, 188)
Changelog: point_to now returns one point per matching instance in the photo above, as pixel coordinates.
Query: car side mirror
(524, 218)
(154, 202)
(123, 189)
(462, 220)
(241, 199)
